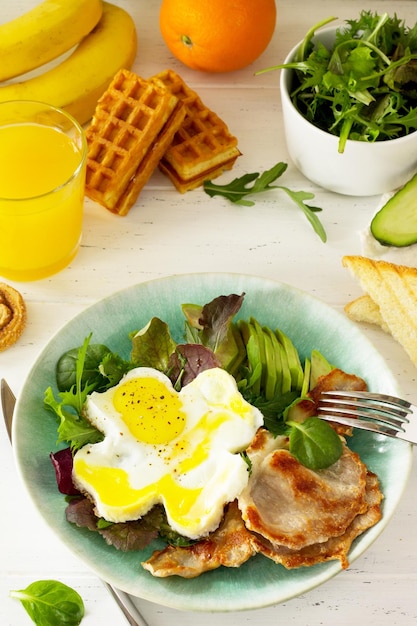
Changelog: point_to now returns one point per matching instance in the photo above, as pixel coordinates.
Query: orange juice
(42, 175)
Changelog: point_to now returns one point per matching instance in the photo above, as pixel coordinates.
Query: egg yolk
(113, 486)
(152, 413)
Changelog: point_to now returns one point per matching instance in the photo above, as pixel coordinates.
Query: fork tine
(376, 412)
(387, 411)
(369, 425)
(394, 402)
(362, 410)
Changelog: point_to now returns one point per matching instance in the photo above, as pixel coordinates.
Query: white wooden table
(166, 233)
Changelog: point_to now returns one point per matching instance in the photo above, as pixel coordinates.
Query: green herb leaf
(238, 189)
(66, 367)
(51, 602)
(314, 443)
(299, 198)
(73, 427)
(370, 69)
(153, 345)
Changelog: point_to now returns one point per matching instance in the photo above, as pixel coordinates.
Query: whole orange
(217, 35)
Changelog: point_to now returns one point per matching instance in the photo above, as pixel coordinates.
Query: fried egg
(179, 449)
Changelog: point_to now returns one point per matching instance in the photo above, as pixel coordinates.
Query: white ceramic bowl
(363, 169)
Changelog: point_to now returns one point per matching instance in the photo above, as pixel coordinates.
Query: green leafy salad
(364, 87)
(263, 361)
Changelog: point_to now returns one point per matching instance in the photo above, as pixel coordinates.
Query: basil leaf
(314, 443)
(50, 602)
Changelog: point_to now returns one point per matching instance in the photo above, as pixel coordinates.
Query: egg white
(193, 474)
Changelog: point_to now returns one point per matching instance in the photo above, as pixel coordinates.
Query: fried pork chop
(230, 545)
(293, 506)
(335, 547)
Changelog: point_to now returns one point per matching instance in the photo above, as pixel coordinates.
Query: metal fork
(376, 412)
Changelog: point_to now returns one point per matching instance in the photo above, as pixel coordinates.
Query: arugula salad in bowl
(185, 442)
(349, 103)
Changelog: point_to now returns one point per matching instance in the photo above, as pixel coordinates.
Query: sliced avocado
(276, 347)
(293, 359)
(243, 328)
(286, 372)
(251, 342)
(270, 365)
(240, 351)
(261, 342)
(320, 366)
(396, 223)
(305, 387)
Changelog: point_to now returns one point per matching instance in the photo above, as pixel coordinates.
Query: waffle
(133, 125)
(203, 147)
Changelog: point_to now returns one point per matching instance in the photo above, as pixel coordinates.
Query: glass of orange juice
(43, 154)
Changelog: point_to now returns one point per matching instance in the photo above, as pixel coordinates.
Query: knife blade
(8, 402)
(123, 600)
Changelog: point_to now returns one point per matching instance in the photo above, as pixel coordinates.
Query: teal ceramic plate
(310, 324)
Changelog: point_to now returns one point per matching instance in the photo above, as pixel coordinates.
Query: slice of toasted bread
(364, 309)
(393, 288)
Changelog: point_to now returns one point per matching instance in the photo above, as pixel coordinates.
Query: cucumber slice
(396, 223)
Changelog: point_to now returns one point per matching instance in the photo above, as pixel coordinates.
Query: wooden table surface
(166, 233)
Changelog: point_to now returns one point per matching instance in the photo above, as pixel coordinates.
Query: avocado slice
(305, 387)
(396, 223)
(280, 360)
(251, 342)
(257, 328)
(240, 351)
(320, 366)
(292, 358)
(286, 371)
(271, 365)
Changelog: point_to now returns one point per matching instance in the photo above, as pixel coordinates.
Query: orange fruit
(217, 35)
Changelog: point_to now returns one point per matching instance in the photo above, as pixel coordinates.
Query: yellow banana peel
(44, 33)
(76, 83)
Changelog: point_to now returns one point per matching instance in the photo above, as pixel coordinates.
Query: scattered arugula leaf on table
(51, 602)
(238, 189)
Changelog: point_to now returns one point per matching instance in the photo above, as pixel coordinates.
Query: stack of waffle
(133, 125)
(139, 124)
(203, 147)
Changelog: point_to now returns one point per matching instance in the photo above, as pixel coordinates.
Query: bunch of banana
(105, 39)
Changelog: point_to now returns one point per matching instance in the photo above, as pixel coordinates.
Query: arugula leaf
(238, 189)
(372, 62)
(73, 427)
(51, 602)
(113, 367)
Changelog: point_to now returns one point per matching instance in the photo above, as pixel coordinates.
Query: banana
(76, 84)
(44, 33)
